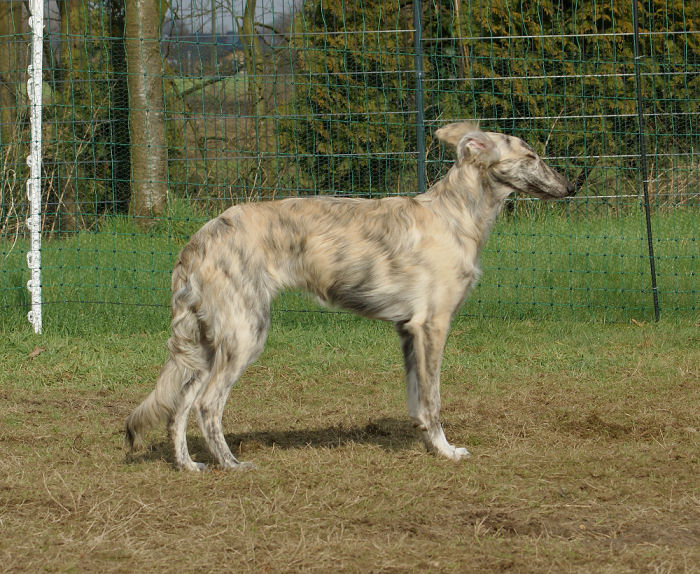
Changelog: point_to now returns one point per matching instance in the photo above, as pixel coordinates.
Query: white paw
(460, 454)
(193, 466)
(240, 466)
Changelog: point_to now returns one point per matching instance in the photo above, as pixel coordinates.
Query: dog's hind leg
(170, 402)
(177, 425)
(192, 381)
(422, 343)
(240, 347)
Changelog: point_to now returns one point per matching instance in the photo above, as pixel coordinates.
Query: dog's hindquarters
(181, 375)
(220, 319)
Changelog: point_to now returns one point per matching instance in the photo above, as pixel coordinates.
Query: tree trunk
(462, 40)
(254, 65)
(146, 117)
(120, 172)
(10, 67)
(68, 204)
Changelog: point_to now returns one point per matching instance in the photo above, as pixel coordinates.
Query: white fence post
(34, 91)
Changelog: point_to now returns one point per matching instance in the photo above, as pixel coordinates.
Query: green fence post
(643, 159)
(420, 112)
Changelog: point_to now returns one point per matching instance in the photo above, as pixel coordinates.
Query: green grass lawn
(583, 439)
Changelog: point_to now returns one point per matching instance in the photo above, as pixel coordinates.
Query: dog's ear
(452, 133)
(477, 148)
(470, 143)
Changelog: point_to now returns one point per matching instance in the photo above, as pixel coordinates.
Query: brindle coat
(408, 260)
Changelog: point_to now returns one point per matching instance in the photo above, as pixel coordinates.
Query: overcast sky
(197, 13)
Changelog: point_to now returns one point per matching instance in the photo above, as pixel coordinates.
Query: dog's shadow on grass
(388, 433)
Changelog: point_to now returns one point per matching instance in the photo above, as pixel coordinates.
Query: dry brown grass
(584, 443)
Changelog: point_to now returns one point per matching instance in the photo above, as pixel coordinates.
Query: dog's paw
(192, 466)
(453, 453)
(238, 466)
(460, 454)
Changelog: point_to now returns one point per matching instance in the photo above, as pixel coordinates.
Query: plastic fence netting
(157, 116)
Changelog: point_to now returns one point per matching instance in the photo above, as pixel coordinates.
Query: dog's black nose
(570, 188)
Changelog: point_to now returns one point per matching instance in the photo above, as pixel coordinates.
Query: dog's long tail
(180, 369)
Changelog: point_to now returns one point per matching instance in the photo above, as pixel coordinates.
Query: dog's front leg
(422, 343)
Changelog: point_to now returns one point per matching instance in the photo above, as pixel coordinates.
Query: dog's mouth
(555, 187)
(548, 193)
(568, 189)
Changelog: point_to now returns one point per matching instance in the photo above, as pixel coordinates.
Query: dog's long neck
(469, 200)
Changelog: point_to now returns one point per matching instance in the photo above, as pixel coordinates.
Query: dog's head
(508, 161)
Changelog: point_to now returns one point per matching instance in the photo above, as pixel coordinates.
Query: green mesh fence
(155, 121)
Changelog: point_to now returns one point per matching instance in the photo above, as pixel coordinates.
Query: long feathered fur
(185, 357)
